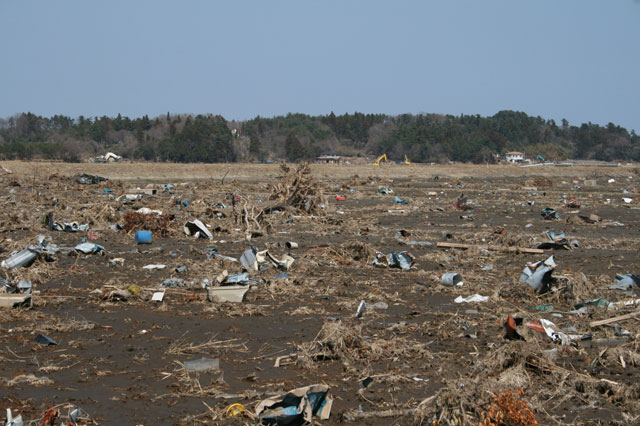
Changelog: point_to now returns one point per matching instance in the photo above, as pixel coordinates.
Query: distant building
(328, 158)
(514, 157)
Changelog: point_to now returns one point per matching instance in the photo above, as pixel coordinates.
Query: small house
(328, 158)
(514, 157)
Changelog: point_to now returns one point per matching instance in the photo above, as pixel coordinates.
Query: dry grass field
(127, 171)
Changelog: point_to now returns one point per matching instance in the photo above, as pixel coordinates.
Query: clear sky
(573, 59)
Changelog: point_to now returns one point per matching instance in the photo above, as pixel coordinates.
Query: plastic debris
(555, 241)
(44, 340)
(399, 200)
(384, 190)
(202, 364)
(174, 282)
(452, 279)
(381, 306)
(143, 237)
(231, 293)
(511, 328)
(116, 261)
(248, 258)
(147, 210)
(296, 407)
(259, 260)
(69, 226)
(595, 303)
(538, 274)
(154, 266)
(549, 214)
(237, 278)
(90, 248)
(197, 229)
(13, 421)
(157, 296)
(625, 282)
(558, 336)
(85, 179)
(402, 260)
(235, 410)
(474, 298)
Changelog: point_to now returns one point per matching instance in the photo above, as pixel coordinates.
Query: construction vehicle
(540, 157)
(406, 160)
(382, 157)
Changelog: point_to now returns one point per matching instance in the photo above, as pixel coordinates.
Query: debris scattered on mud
(314, 296)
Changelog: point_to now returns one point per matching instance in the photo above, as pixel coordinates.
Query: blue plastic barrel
(143, 237)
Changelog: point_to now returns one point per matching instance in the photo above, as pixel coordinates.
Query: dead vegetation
(158, 224)
(345, 342)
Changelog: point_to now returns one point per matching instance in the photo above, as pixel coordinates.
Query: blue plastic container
(143, 237)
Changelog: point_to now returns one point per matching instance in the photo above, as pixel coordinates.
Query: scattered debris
(402, 260)
(550, 214)
(538, 274)
(474, 298)
(202, 364)
(296, 407)
(90, 248)
(452, 279)
(625, 282)
(492, 248)
(143, 237)
(45, 340)
(197, 229)
(85, 179)
(229, 293)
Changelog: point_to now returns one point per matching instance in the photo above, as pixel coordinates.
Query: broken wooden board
(491, 248)
(614, 319)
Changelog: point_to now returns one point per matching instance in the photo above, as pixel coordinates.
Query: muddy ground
(423, 357)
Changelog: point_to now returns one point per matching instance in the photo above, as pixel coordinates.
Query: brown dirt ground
(431, 360)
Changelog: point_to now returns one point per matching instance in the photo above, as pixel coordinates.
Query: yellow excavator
(382, 157)
(406, 160)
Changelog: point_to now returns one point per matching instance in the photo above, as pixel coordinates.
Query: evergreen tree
(293, 148)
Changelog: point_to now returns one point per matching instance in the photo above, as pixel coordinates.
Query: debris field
(328, 294)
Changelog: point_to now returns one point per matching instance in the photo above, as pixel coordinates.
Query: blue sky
(573, 59)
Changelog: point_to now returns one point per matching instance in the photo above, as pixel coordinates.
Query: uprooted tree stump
(297, 192)
(298, 189)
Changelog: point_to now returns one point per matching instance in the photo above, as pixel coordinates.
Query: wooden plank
(614, 319)
(492, 248)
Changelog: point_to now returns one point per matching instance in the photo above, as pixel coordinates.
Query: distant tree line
(296, 137)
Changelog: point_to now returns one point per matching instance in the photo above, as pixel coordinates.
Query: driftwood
(355, 415)
(298, 189)
(614, 319)
(492, 248)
